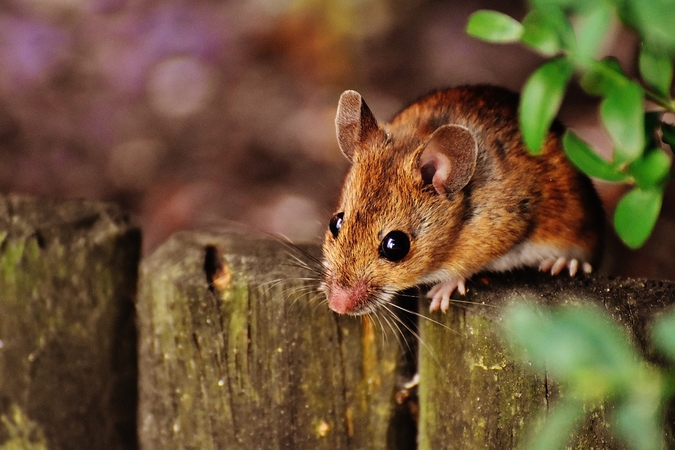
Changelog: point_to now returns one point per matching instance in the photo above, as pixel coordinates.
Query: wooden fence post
(475, 395)
(254, 362)
(68, 273)
(237, 350)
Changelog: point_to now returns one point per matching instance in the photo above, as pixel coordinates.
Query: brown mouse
(447, 189)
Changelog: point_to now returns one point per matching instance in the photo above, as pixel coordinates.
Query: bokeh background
(194, 113)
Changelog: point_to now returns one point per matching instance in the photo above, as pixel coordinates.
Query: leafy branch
(641, 139)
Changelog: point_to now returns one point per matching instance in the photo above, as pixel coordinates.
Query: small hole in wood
(40, 239)
(217, 274)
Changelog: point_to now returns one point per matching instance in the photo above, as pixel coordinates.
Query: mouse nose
(347, 300)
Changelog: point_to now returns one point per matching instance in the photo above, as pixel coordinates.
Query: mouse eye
(335, 224)
(395, 245)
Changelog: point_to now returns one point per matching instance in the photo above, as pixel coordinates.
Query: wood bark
(68, 274)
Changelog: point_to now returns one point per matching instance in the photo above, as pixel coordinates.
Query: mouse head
(400, 209)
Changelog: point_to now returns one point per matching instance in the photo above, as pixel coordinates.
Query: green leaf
(522, 321)
(592, 29)
(601, 356)
(567, 5)
(663, 334)
(638, 421)
(656, 69)
(622, 109)
(577, 345)
(541, 99)
(494, 26)
(547, 30)
(603, 77)
(652, 19)
(589, 162)
(636, 214)
(556, 429)
(622, 112)
(651, 169)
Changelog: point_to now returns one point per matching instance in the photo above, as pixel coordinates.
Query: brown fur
(512, 197)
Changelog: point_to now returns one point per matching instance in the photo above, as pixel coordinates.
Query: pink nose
(347, 300)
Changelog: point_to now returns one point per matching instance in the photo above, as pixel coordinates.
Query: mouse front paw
(556, 265)
(440, 294)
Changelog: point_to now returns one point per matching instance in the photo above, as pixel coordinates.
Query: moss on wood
(475, 394)
(68, 272)
(255, 361)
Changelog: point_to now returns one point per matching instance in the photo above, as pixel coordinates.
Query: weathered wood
(68, 273)
(475, 395)
(238, 350)
(259, 364)
(255, 362)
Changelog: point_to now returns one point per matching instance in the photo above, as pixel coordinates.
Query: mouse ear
(448, 159)
(354, 123)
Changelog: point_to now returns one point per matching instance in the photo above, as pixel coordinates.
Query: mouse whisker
(383, 318)
(414, 331)
(380, 318)
(302, 264)
(302, 291)
(424, 317)
(460, 302)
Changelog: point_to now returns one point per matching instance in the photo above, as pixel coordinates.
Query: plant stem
(664, 102)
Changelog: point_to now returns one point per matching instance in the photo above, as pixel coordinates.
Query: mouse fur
(451, 172)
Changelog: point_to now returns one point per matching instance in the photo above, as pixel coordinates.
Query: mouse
(447, 189)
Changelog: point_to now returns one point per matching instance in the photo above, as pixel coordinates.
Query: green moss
(62, 313)
(24, 434)
(476, 381)
(255, 363)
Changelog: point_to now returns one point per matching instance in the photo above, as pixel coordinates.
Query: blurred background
(190, 113)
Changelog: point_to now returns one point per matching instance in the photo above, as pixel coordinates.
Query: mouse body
(446, 189)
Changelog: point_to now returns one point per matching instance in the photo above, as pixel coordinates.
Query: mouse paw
(556, 265)
(440, 294)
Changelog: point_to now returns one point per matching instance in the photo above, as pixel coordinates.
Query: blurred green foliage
(593, 360)
(590, 356)
(571, 33)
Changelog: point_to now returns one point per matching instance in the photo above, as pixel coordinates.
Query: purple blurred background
(194, 113)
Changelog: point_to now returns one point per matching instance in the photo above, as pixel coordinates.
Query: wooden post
(258, 361)
(238, 350)
(475, 395)
(68, 273)
(254, 360)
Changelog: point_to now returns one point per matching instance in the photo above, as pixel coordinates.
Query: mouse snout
(347, 300)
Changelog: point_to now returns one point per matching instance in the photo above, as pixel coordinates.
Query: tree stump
(237, 351)
(68, 273)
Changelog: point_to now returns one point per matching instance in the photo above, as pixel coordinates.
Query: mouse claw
(556, 266)
(573, 266)
(440, 294)
(546, 264)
